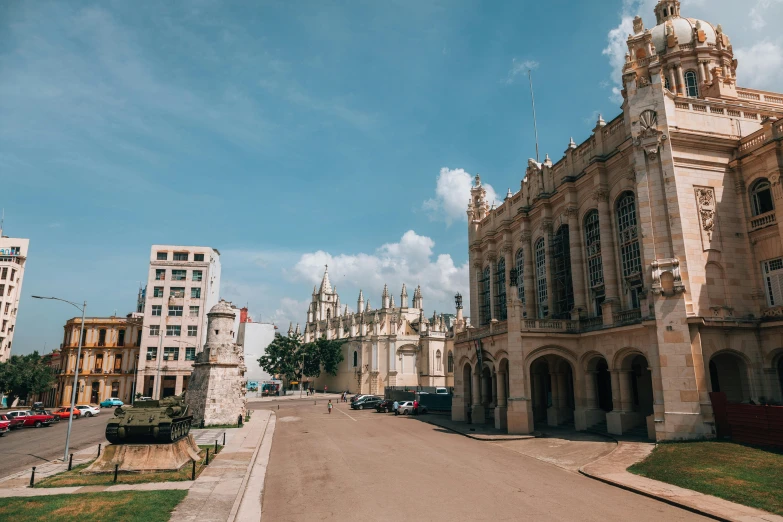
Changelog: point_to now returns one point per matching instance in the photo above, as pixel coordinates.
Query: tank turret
(157, 421)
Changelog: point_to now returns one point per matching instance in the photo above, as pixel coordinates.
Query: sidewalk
(317, 397)
(485, 432)
(612, 469)
(218, 492)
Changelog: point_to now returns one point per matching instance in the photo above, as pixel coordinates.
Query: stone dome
(223, 307)
(683, 29)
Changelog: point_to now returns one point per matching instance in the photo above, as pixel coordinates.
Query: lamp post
(82, 308)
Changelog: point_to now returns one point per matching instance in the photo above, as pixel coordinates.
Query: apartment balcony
(763, 221)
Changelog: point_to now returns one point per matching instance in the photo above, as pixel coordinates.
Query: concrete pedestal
(146, 457)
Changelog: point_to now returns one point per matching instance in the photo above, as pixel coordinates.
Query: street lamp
(76, 370)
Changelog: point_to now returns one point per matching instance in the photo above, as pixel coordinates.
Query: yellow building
(110, 355)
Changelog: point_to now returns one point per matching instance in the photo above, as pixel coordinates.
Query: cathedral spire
(385, 297)
(360, 303)
(404, 297)
(290, 328)
(326, 285)
(296, 330)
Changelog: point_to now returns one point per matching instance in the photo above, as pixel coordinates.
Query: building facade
(13, 257)
(625, 282)
(109, 359)
(390, 346)
(254, 337)
(182, 285)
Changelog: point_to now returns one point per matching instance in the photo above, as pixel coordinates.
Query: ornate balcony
(762, 220)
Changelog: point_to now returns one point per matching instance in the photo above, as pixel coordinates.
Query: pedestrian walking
(330, 406)
(396, 407)
(415, 407)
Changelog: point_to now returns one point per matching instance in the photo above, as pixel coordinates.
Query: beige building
(183, 284)
(13, 256)
(110, 354)
(625, 282)
(390, 346)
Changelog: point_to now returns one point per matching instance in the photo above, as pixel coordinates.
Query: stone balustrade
(762, 221)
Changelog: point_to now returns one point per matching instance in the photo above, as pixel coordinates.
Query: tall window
(484, 297)
(500, 290)
(438, 364)
(156, 309)
(450, 363)
(102, 337)
(154, 330)
(562, 283)
(630, 255)
(355, 359)
(666, 84)
(158, 291)
(118, 364)
(190, 353)
(761, 198)
(192, 330)
(773, 281)
(195, 293)
(160, 275)
(541, 290)
(595, 268)
(519, 262)
(691, 84)
(121, 338)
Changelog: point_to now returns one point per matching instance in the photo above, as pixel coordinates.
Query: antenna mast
(533, 102)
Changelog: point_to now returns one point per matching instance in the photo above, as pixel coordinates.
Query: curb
(474, 437)
(242, 489)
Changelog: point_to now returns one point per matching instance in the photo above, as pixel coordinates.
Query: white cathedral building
(390, 346)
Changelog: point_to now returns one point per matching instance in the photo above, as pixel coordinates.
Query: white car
(88, 411)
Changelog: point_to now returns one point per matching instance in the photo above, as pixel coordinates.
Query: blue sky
(292, 134)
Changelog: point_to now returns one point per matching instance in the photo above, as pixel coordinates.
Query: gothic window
(500, 290)
(628, 231)
(355, 359)
(541, 289)
(484, 297)
(595, 267)
(761, 198)
(562, 284)
(691, 84)
(520, 267)
(450, 363)
(438, 366)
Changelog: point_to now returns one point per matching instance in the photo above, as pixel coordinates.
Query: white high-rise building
(13, 257)
(182, 286)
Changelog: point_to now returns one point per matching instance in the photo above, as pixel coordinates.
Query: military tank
(156, 421)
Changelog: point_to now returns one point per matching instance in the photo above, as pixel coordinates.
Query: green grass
(742, 474)
(128, 506)
(76, 478)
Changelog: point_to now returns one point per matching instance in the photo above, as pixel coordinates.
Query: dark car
(385, 406)
(365, 403)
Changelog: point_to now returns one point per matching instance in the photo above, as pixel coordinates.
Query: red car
(13, 422)
(5, 426)
(64, 413)
(31, 419)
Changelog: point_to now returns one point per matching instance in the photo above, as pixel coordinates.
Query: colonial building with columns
(389, 346)
(643, 270)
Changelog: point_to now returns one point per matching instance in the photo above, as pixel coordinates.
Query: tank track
(177, 429)
(112, 433)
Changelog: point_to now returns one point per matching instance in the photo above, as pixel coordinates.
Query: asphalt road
(361, 465)
(27, 447)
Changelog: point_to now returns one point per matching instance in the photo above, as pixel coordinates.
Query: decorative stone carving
(706, 208)
(571, 212)
(546, 225)
(526, 236)
(638, 25)
(774, 178)
(506, 247)
(650, 137)
(601, 195)
(648, 121)
(492, 256)
(661, 266)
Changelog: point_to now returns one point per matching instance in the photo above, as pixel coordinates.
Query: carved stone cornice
(774, 178)
(492, 255)
(526, 236)
(571, 212)
(505, 247)
(546, 225)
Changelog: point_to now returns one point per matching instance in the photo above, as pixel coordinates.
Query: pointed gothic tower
(385, 297)
(418, 302)
(404, 297)
(360, 303)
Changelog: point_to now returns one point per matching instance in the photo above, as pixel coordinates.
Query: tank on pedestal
(157, 421)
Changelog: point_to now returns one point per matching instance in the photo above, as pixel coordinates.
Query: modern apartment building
(110, 355)
(182, 286)
(13, 257)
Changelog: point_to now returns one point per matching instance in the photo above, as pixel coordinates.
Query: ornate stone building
(643, 270)
(391, 346)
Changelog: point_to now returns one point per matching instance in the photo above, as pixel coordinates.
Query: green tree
(23, 375)
(283, 357)
(323, 355)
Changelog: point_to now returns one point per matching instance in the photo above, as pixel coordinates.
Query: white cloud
(289, 311)
(452, 194)
(520, 67)
(411, 261)
(759, 12)
(761, 65)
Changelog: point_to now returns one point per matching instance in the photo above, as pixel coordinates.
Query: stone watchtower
(217, 387)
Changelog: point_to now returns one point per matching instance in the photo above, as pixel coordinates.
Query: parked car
(41, 411)
(89, 411)
(64, 413)
(14, 422)
(441, 391)
(366, 402)
(31, 419)
(358, 396)
(5, 427)
(113, 402)
(385, 406)
(406, 408)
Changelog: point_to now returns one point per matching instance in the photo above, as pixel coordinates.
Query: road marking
(341, 411)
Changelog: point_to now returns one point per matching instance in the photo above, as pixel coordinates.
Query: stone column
(528, 275)
(626, 397)
(477, 413)
(553, 417)
(178, 385)
(672, 80)
(494, 389)
(550, 295)
(491, 260)
(614, 419)
(616, 397)
(577, 268)
(700, 73)
(591, 389)
(501, 389)
(681, 78)
(501, 410)
(608, 261)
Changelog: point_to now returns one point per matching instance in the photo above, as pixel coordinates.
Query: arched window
(438, 366)
(630, 255)
(541, 290)
(355, 359)
(761, 198)
(691, 84)
(450, 363)
(484, 297)
(519, 264)
(595, 267)
(562, 284)
(500, 290)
